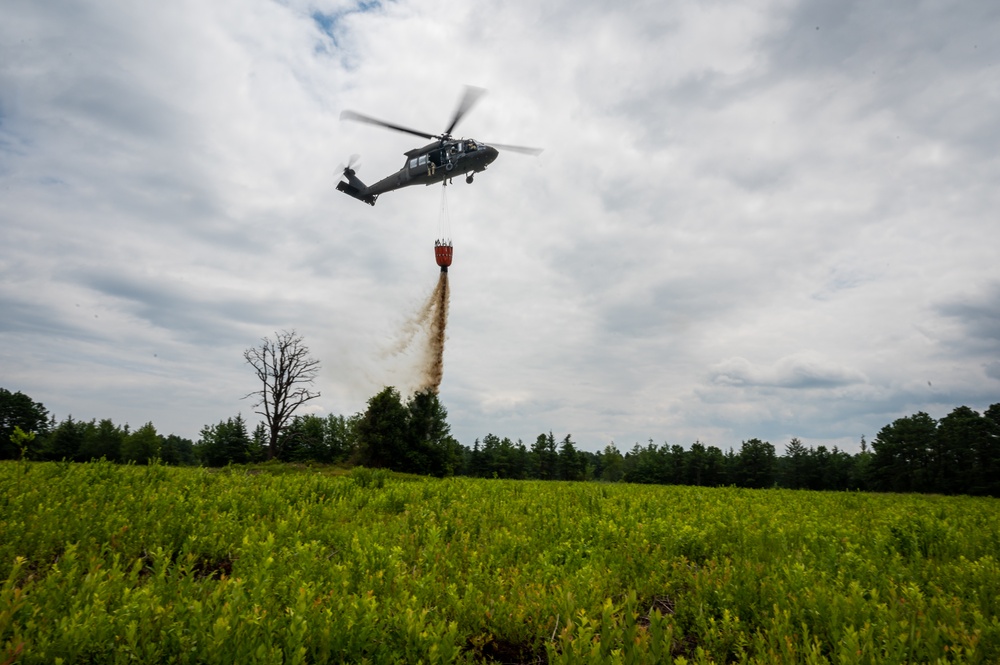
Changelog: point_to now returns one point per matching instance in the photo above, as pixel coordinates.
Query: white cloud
(742, 225)
(797, 371)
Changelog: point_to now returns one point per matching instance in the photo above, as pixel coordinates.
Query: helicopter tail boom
(355, 188)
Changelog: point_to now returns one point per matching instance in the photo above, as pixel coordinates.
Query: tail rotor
(351, 185)
(353, 164)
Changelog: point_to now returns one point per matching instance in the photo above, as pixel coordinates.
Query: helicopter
(435, 162)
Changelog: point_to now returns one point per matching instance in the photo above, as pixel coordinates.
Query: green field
(107, 563)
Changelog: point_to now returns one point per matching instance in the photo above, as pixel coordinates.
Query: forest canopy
(958, 454)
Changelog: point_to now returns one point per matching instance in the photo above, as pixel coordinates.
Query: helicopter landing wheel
(468, 179)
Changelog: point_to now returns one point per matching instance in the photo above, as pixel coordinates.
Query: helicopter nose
(491, 154)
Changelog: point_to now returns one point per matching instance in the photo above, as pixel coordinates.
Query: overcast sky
(762, 219)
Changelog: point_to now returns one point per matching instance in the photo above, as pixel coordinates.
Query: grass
(106, 563)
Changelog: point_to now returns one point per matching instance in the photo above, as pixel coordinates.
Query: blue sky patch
(328, 22)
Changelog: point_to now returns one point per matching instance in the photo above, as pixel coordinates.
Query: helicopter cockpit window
(470, 146)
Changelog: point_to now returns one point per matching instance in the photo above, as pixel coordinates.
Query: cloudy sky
(763, 219)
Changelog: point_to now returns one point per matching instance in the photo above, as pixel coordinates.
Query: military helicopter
(439, 161)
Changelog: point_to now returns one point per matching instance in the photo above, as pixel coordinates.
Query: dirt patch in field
(662, 603)
(212, 569)
(492, 650)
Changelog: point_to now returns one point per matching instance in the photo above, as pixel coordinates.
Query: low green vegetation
(121, 563)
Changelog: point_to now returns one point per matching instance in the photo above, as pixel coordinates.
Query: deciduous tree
(341, 436)
(902, 453)
(755, 464)
(142, 446)
(19, 410)
(612, 463)
(177, 450)
(962, 460)
(286, 370)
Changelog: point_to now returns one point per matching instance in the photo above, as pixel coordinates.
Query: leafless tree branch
(285, 370)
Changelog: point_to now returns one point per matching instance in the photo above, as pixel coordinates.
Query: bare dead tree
(285, 369)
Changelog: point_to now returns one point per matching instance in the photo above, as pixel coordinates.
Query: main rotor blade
(357, 117)
(517, 148)
(469, 99)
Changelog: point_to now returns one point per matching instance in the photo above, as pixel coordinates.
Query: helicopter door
(452, 152)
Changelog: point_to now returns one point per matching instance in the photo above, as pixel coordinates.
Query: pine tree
(382, 432)
(544, 457)
(142, 446)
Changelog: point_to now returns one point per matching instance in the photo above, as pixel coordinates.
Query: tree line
(958, 454)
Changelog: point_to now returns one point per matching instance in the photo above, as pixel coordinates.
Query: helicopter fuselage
(433, 163)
